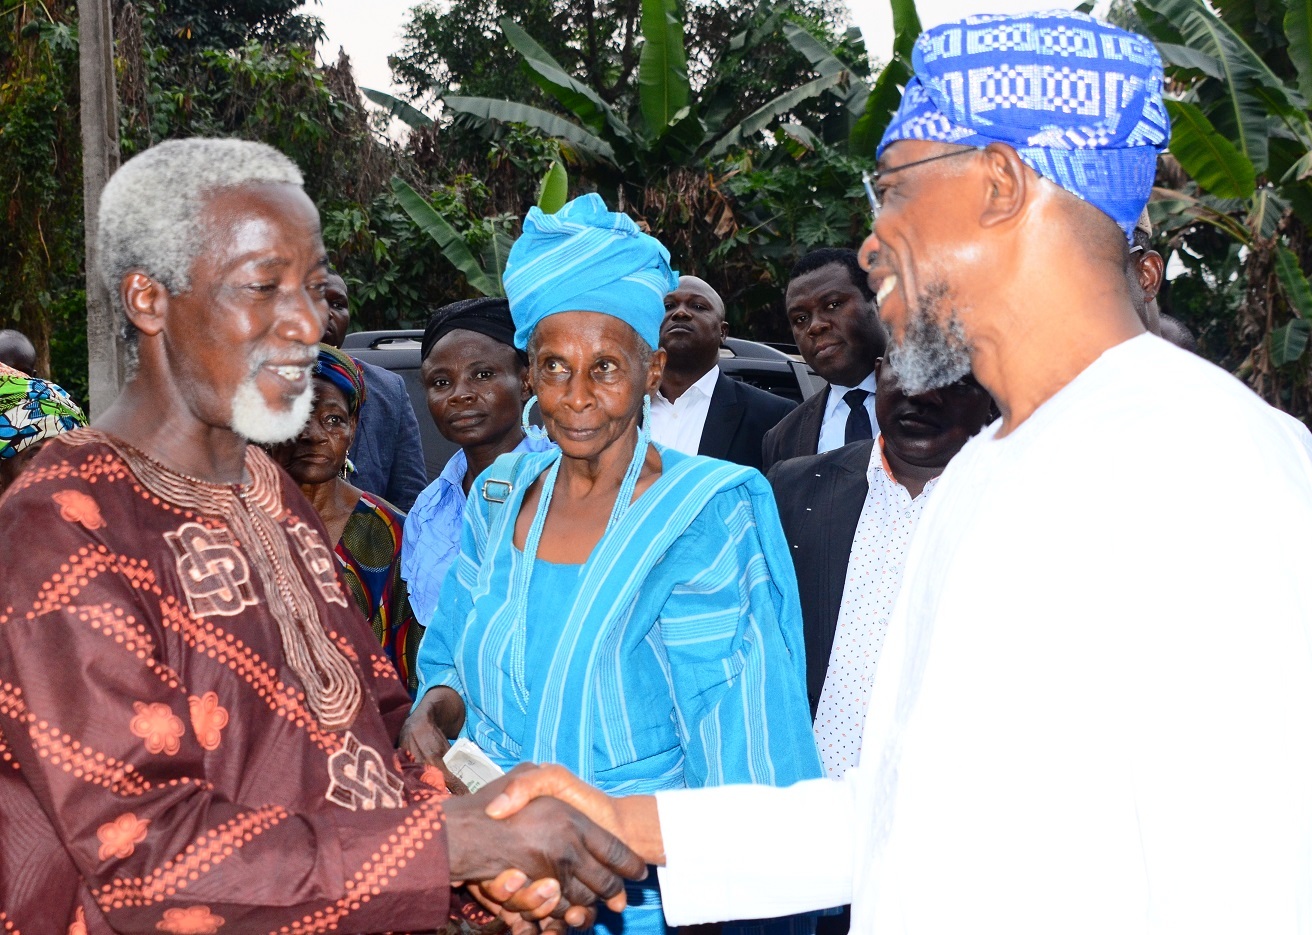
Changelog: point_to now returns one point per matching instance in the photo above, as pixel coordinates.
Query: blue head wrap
(584, 258)
(1079, 101)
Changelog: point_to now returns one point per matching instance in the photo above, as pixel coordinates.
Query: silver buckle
(509, 489)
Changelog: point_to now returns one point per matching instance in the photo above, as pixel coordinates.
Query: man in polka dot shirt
(849, 515)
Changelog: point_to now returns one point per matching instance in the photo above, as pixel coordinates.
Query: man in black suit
(698, 409)
(835, 324)
(825, 500)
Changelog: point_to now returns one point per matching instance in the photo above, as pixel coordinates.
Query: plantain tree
(1236, 192)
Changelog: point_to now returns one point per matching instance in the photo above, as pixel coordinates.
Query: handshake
(542, 844)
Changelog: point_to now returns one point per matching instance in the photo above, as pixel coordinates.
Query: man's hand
(633, 819)
(438, 715)
(526, 908)
(546, 839)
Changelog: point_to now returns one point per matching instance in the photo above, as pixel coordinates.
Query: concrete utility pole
(106, 360)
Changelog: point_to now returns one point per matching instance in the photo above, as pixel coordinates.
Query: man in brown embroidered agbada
(214, 750)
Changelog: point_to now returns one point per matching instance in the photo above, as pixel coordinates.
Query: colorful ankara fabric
(874, 576)
(432, 530)
(370, 555)
(32, 411)
(176, 778)
(344, 373)
(1080, 101)
(672, 658)
(584, 258)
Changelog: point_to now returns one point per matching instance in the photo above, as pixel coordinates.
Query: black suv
(761, 365)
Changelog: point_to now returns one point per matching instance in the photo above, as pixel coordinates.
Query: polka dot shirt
(874, 574)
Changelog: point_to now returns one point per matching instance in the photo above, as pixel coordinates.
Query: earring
(347, 470)
(644, 430)
(531, 430)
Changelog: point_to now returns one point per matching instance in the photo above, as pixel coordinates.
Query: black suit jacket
(737, 420)
(797, 434)
(820, 499)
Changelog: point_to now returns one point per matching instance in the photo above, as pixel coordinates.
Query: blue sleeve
(429, 545)
(732, 633)
(408, 476)
(436, 662)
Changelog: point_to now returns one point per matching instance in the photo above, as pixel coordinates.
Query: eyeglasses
(869, 179)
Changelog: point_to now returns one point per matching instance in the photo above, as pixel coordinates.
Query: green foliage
(1294, 283)
(555, 189)
(41, 239)
(1243, 133)
(453, 246)
(664, 92)
(1212, 160)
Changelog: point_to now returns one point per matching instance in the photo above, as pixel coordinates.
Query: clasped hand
(532, 835)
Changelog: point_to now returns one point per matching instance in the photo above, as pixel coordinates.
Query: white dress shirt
(874, 575)
(1094, 710)
(679, 424)
(833, 428)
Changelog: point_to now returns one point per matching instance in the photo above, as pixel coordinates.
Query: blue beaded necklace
(524, 573)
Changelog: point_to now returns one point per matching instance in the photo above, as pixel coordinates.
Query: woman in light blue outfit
(617, 607)
(476, 383)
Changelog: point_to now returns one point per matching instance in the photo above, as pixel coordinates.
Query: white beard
(254, 421)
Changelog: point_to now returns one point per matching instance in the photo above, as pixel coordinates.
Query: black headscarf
(489, 316)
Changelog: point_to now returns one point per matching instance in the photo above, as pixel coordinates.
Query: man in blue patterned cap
(1063, 735)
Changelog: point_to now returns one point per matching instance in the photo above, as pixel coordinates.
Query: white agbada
(1094, 711)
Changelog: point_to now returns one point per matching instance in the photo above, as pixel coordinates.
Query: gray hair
(150, 211)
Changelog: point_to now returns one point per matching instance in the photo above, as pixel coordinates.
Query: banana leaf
(572, 94)
(554, 191)
(663, 88)
(1298, 29)
(1181, 56)
(489, 109)
(1241, 69)
(410, 116)
(1212, 160)
(1294, 283)
(448, 239)
(906, 28)
(1289, 341)
(880, 106)
(760, 118)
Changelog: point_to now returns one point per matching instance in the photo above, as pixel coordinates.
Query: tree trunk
(106, 360)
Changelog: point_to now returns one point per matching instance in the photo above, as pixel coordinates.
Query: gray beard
(930, 355)
(254, 421)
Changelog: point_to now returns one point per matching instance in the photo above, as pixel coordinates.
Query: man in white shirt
(698, 409)
(1094, 710)
(831, 311)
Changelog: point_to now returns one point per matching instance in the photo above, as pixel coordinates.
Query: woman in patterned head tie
(365, 528)
(32, 411)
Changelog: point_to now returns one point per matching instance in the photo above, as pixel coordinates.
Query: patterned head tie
(1079, 101)
(33, 410)
(342, 372)
(584, 258)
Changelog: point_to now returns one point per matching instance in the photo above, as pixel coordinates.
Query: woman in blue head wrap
(620, 608)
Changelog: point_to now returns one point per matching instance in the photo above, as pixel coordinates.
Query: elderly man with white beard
(197, 726)
(1094, 707)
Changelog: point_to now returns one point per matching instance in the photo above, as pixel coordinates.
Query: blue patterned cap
(584, 258)
(1079, 101)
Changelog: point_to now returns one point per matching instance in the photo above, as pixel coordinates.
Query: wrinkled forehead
(265, 219)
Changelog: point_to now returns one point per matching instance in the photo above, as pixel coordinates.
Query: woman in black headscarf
(477, 385)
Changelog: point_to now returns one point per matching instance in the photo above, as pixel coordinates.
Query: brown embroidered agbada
(197, 728)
